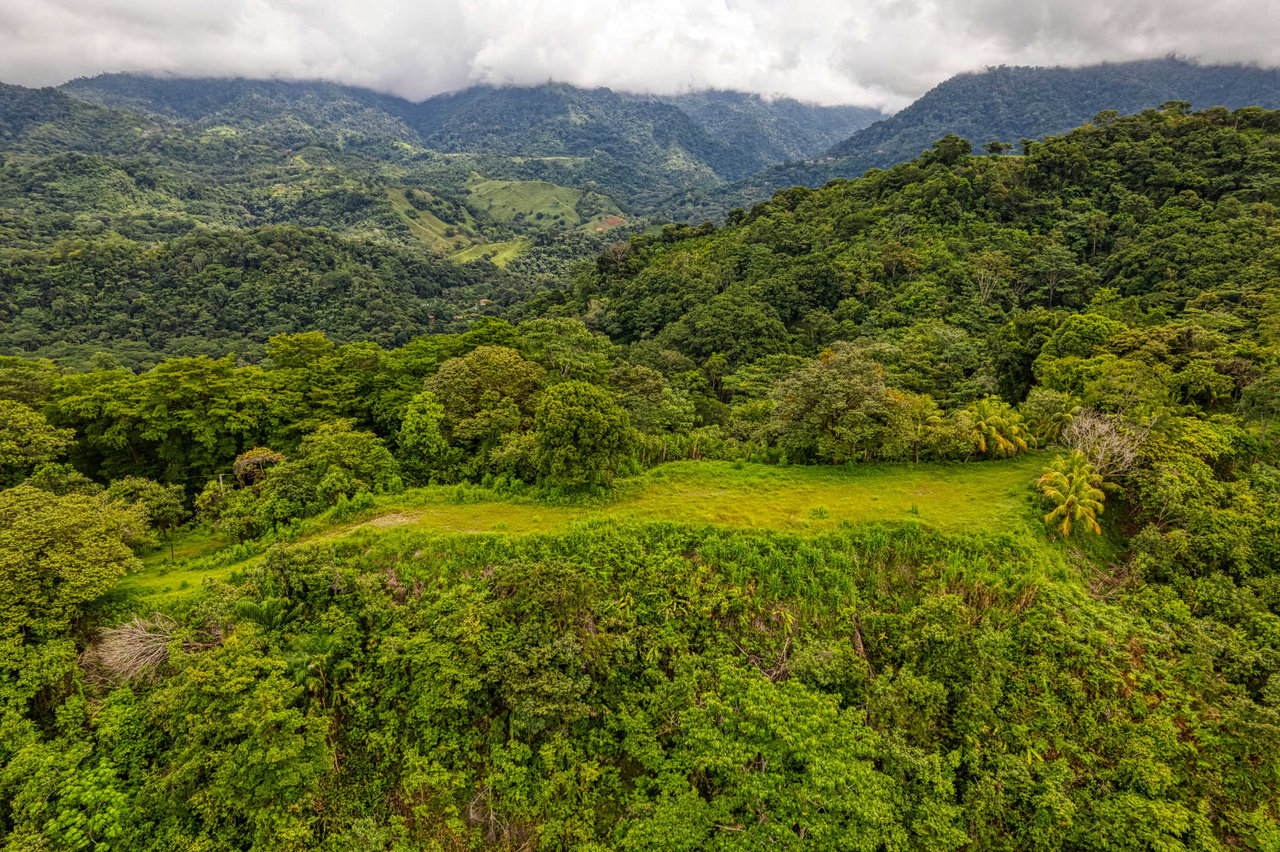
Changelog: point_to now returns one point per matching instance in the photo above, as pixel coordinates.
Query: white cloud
(876, 52)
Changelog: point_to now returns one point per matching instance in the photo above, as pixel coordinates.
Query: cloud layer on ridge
(881, 53)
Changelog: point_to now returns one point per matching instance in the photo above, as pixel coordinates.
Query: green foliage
(1260, 400)
(58, 554)
(488, 396)
(421, 441)
(583, 436)
(1074, 488)
(1009, 104)
(644, 687)
(999, 430)
(163, 504)
(27, 441)
(494, 665)
(966, 276)
(342, 460)
(834, 410)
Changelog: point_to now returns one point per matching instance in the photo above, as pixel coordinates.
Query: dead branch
(1109, 443)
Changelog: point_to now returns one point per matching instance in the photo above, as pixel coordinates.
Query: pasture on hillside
(954, 497)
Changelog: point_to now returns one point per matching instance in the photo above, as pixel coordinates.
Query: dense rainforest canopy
(1093, 664)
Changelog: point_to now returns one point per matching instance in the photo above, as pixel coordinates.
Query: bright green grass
(162, 578)
(424, 226)
(504, 199)
(952, 497)
(503, 253)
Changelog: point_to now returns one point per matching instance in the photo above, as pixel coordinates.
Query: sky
(879, 53)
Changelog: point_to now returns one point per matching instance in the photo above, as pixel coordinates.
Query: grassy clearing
(424, 226)
(544, 202)
(505, 199)
(502, 253)
(952, 497)
(162, 578)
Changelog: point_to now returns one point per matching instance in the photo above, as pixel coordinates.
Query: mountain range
(685, 157)
(532, 180)
(1004, 104)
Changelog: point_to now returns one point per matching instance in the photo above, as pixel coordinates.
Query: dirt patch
(393, 520)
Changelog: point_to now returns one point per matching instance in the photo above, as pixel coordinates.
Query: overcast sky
(881, 53)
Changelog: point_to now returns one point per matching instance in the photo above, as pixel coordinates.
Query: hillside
(767, 131)
(634, 146)
(535, 179)
(1166, 213)
(1008, 104)
(934, 509)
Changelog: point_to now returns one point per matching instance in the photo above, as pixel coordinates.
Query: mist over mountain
(1006, 104)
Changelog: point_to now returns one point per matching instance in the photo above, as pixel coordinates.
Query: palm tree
(1000, 429)
(1075, 489)
(317, 661)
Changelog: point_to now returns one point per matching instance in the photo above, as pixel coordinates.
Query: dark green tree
(584, 438)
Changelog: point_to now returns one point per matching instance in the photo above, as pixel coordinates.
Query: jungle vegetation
(1091, 661)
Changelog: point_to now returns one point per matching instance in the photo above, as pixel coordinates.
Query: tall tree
(584, 438)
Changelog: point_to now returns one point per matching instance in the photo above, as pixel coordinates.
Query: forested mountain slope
(988, 556)
(771, 130)
(538, 178)
(1166, 215)
(625, 142)
(1008, 104)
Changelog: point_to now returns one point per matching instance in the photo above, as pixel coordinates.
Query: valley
(556, 467)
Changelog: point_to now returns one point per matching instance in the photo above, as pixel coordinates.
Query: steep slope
(151, 159)
(771, 131)
(633, 144)
(932, 262)
(249, 104)
(1006, 104)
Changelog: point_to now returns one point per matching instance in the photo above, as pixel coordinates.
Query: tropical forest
(466, 474)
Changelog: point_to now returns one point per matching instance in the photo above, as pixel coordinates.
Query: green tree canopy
(27, 441)
(584, 438)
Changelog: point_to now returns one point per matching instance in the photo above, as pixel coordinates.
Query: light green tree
(162, 503)
(1260, 401)
(27, 441)
(1000, 430)
(422, 446)
(57, 554)
(1075, 489)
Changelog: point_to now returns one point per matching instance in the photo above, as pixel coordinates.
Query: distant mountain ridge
(1006, 104)
(541, 177)
(722, 135)
(778, 129)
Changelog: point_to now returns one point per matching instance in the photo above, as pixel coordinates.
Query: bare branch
(1110, 444)
(137, 649)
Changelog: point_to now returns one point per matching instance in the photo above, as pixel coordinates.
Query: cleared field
(425, 226)
(502, 253)
(952, 497)
(505, 199)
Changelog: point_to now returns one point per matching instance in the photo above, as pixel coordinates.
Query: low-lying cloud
(881, 53)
